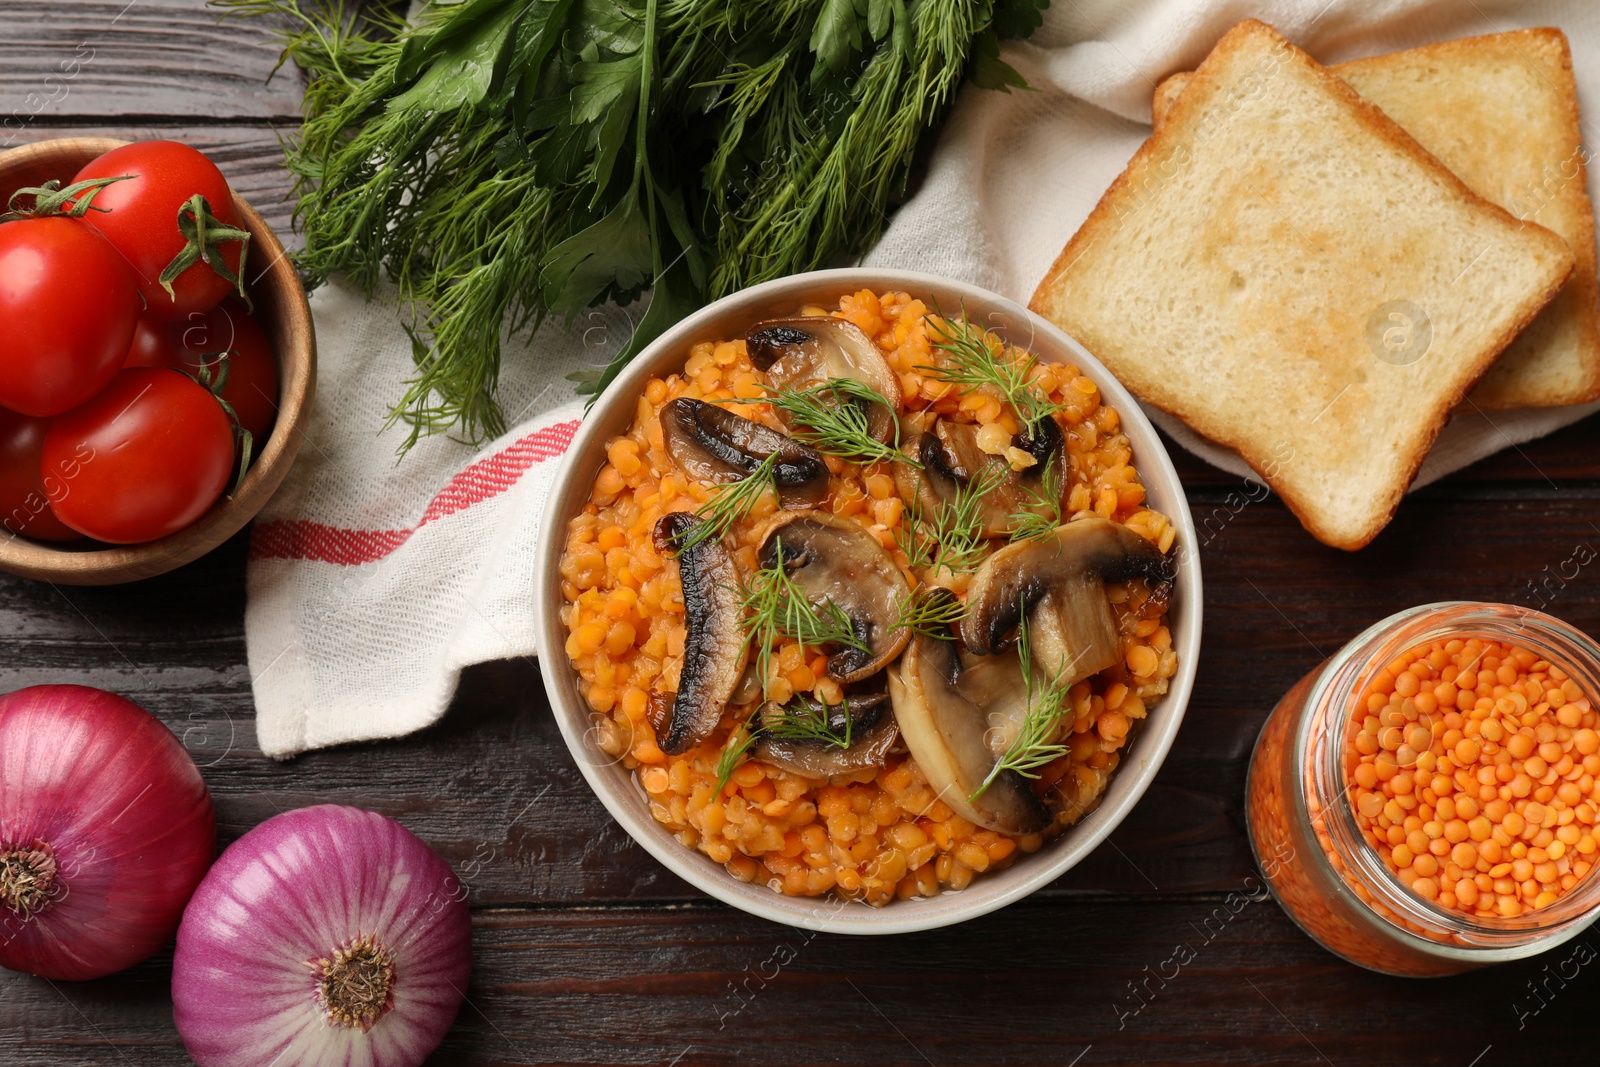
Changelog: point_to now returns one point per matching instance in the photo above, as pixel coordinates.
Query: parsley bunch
(508, 160)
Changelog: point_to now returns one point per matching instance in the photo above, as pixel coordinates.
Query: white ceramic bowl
(615, 785)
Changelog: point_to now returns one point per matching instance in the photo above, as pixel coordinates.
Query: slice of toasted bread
(1169, 89)
(1285, 269)
(1502, 112)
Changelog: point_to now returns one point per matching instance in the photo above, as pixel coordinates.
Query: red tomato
(140, 217)
(67, 310)
(152, 346)
(150, 455)
(252, 387)
(24, 498)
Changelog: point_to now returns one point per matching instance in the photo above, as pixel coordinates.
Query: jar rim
(1320, 746)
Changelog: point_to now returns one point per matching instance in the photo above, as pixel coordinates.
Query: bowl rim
(620, 792)
(116, 564)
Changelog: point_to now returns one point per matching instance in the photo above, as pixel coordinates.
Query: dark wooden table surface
(587, 951)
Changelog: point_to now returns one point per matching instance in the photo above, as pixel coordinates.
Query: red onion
(325, 937)
(105, 829)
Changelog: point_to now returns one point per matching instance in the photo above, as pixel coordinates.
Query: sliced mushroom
(996, 684)
(714, 652)
(948, 736)
(715, 445)
(950, 460)
(800, 353)
(872, 733)
(836, 560)
(1059, 585)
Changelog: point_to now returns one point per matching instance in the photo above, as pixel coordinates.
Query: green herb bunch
(507, 160)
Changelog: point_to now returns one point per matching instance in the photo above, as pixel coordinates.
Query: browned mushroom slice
(924, 489)
(715, 445)
(800, 353)
(714, 652)
(950, 460)
(948, 736)
(1059, 585)
(872, 733)
(834, 560)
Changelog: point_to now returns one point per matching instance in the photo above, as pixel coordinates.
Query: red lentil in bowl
(815, 758)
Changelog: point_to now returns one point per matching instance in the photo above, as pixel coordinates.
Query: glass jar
(1305, 836)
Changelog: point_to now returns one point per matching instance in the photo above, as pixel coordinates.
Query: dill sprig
(801, 719)
(732, 501)
(1039, 522)
(914, 540)
(508, 161)
(733, 755)
(953, 536)
(832, 421)
(1047, 704)
(972, 361)
(805, 719)
(930, 611)
(776, 607)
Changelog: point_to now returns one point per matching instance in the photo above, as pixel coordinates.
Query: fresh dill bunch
(822, 143)
(1047, 704)
(1039, 522)
(776, 607)
(732, 501)
(832, 421)
(972, 362)
(733, 754)
(805, 719)
(953, 536)
(504, 162)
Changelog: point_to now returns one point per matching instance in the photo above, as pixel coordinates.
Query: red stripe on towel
(480, 481)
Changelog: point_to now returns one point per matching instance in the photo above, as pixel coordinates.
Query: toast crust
(1128, 192)
(1166, 94)
(1556, 360)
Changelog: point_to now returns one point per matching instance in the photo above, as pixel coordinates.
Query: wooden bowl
(280, 308)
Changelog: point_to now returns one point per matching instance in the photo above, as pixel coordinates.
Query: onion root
(28, 879)
(353, 985)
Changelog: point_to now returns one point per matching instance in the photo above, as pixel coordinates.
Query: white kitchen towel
(373, 581)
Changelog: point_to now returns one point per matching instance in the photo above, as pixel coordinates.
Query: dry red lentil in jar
(1472, 767)
(869, 601)
(1425, 802)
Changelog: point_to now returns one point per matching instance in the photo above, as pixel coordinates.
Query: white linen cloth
(372, 582)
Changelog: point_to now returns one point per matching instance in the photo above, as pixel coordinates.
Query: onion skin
(293, 891)
(109, 788)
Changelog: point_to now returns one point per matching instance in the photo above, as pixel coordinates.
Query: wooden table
(587, 951)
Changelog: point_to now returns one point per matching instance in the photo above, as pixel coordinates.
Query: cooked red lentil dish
(868, 600)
